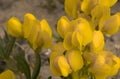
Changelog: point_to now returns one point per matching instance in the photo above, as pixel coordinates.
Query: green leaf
(9, 47)
(23, 65)
(2, 53)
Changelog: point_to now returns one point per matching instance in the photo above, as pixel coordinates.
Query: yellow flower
(75, 59)
(84, 29)
(63, 62)
(99, 14)
(63, 65)
(29, 21)
(46, 34)
(81, 34)
(111, 25)
(88, 5)
(14, 27)
(8, 74)
(98, 41)
(103, 63)
(72, 7)
(38, 33)
(63, 26)
(58, 63)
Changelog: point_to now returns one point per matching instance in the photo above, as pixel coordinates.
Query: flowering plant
(80, 54)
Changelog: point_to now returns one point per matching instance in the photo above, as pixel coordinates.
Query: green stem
(37, 66)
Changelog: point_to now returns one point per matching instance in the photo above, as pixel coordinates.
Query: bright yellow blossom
(63, 66)
(63, 62)
(14, 27)
(40, 35)
(72, 7)
(80, 35)
(103, 64)
(88, 5)
(98, 41)
(111, 25)
(58, 63)
(100, 14)
(37, 33)
(8, 74)
(75, 59)
(63, 26)
(29, 21)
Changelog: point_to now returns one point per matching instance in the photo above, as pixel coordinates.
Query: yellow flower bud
(14, 27)
(111, 25)
(40, 35)
(60, 66)
(8, 74)
(46, 34)
(28, 24)
(98, 13)
(75, 59)
(63, 26)
(88, 5)
(57, 50)
(64, 66)
(83, 27)
(33, 35)
(104, 64)
(72, 7)
(98, 41)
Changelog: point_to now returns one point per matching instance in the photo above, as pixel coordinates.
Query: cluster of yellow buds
(83, 40)
(38, 33)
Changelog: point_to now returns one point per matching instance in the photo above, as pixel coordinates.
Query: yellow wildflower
(100, 14)
(8, 74)
(14, 27)
(63, 26)
(103, 64)
(111, 25)
(75, 59)
(83, 27)
(98, 41)
(29, 20)
(72, 7)
(88, 5)
(40, 35)
(63, 62)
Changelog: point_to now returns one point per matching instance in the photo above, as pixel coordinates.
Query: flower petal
(14, 27)
(75, 59)
(8, 74)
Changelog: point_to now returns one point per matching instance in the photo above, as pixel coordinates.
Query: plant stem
(37, 66)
